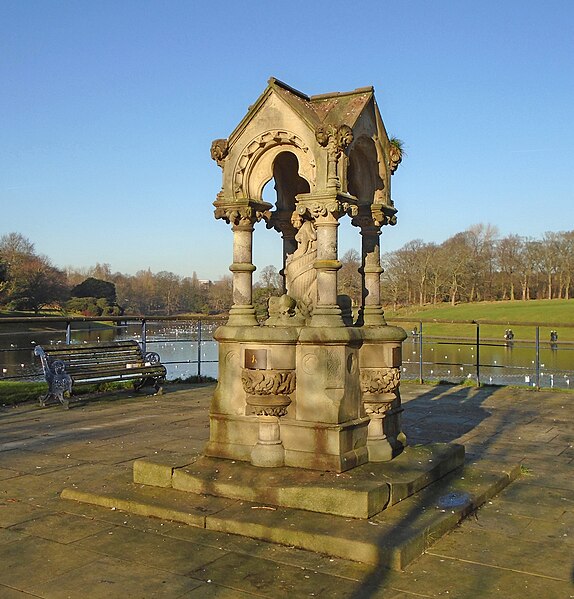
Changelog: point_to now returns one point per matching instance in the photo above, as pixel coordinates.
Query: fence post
(144, 336)
(537, 365)
(421, 353)
(477, 355)
(199, 350)
(68, 332)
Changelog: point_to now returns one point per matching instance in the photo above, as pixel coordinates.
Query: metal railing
(473, 350)
(532, 368)
(195, 353)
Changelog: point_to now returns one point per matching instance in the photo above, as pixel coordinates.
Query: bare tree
(508, 257)
(349, 277)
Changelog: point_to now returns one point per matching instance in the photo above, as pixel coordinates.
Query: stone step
(392, 538)
(358, 493)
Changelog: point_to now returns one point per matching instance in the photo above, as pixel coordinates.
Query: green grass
(549, 314)
(15, 392)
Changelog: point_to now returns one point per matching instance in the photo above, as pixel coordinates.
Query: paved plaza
(519, 545)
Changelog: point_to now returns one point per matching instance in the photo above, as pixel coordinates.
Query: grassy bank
(549, 314)
(15, 392)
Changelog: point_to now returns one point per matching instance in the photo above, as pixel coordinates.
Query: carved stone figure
(300, 274)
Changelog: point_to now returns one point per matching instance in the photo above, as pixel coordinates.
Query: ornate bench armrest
(152, 357)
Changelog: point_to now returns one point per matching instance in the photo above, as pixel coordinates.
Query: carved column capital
(244, 213)
(282, 221)
(383, 214)
(330, 207)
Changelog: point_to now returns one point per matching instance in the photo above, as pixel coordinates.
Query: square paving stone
(173, 555)
(492, 517)
(435, 576)
(6, 473)
(270, 579)
(8, 535)
(8, 593)
(108, 578)
(281, 554)
(214, 591)
(524, 491)
(31, 560)
(548, 559)
(15, 511)
(31, 462)
(62, 528)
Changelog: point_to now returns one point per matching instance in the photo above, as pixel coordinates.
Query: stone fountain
(309, 387)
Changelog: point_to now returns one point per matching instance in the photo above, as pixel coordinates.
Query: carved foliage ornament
(395, 157)
(219, 150)
(339, 138)
(268, 390)
(240, 215)
(268, 382)
(380, 380)
(336, 208)
(380, 216)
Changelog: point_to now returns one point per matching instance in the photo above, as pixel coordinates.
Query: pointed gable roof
(333, 108)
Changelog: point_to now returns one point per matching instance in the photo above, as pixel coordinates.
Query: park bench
(66, 365)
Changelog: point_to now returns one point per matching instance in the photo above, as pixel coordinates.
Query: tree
(349, 277)
(455, 259)
(97, 288)
(3, 275)
(35, 284)
(566, 263)
(508, 257)
(269, 284)
(416, 258)
(15, 247)
(28, 281)
(480, 241)
(194, 294)
(168, 286)
(221, 295)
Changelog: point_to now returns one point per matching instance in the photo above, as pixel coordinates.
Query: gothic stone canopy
(331, 145)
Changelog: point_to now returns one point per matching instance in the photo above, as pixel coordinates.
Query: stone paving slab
(110, 578)
(153, 550)
(32, 560)
(29, 501)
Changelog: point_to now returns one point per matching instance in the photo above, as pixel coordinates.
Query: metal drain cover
(453, 500)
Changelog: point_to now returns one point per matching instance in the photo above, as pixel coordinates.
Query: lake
(183, 347)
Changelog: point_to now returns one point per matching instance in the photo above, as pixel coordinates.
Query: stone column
(327, 312)
(242, 214)
(371, 312)
(324, 210)
(242, 312)
(381, 399)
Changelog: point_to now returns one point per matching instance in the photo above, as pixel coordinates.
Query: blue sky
(108, 110)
